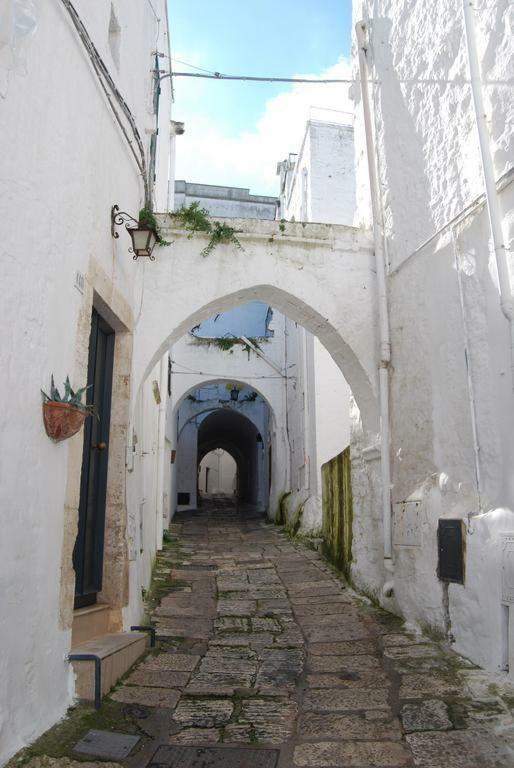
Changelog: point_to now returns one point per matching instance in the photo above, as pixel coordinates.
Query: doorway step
(89, 623)
(117, 652)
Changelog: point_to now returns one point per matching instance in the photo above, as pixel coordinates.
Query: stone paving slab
(458, 749)
(357, 754)
(158, 678)
(146, 696)
(203, 713)
(337, 700)
(342, 648)
(376, 679)
(349, 726)
(173, 661)
(429, 715)
(357, 663)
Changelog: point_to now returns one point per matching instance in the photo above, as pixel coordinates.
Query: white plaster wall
(332, 396)
(67, 164)
(430, 171)
(332, 169)
(320, 187)
(222, 475)
(427, 142)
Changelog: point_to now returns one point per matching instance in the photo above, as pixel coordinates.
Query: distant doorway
(88, 554)
(218, 473)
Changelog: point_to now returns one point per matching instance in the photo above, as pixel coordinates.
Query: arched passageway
(237, 435)
(207, 419)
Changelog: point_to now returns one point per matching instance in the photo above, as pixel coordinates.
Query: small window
(114, 38)
(183, 498)
(451, 551)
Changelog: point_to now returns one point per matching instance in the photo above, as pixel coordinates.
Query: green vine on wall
(147, 219)
(195, 219)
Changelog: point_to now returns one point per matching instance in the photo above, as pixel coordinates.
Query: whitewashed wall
(218, 473)
(66, 164)
(444, 307)
(317, 185)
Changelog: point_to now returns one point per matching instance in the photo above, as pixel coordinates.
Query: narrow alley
(264, 658)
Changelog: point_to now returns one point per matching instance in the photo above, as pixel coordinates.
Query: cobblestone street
(266, 656)
(275, 652)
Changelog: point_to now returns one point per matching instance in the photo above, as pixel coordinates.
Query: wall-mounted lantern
(234, 394)
(143, 237)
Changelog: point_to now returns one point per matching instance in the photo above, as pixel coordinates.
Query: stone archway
(262, 418)
(330, 279)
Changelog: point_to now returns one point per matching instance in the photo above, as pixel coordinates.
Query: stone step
(118, 652)
(89, 622)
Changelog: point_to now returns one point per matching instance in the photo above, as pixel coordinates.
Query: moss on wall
(280, 517)
(338, 511)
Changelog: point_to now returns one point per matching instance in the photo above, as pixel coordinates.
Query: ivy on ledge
(195, 219)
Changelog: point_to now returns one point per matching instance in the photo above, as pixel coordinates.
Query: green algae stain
(338, 511)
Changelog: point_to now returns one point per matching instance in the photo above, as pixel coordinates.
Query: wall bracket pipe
(383, 313)
(98, 672)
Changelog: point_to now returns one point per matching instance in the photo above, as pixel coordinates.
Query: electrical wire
(190, 372)
(107, 84)
(219, 76)
(458, 82)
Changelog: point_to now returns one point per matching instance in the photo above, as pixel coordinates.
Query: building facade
(82, 129)
(440, 72)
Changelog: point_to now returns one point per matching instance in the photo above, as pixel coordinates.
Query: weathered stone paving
(261, 645)
(269, 648)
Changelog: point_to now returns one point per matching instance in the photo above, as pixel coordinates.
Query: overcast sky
(237, 132)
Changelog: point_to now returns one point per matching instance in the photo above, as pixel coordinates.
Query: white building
(317, 184)
(79, 117)
(235, 202)
(441, 196)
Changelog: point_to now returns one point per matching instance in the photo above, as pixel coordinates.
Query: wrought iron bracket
(118, 218)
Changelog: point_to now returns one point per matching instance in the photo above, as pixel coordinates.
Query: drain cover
(213, 757)
(106, 744)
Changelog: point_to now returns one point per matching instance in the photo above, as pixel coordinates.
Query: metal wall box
(183, 498)
(450, 542)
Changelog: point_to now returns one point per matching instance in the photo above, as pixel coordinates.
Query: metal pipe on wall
(383, 313)
(493, 206)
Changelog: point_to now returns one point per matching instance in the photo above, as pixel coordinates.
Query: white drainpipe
(493, 207)
(383, 314)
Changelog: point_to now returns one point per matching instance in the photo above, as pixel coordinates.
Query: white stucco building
(225, 201)
(436, 80)
(318, 184)
(81, 129)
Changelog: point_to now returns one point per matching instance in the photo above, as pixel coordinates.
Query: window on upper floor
(114, 38)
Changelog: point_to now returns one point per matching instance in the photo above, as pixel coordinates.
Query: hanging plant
(196, 219)
(64, 416)
(147, 219)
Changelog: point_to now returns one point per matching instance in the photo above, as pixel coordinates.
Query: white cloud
(206, 153)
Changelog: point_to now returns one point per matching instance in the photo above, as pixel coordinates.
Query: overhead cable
(107, 83)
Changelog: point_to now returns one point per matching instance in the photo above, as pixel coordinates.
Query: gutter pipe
(383, 314)
(493, 206)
